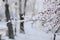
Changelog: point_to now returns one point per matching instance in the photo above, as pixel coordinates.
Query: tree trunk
(0, 37)
(54, 37)
(9, 24)
(56, 32)
(22, 3)
(21, 24)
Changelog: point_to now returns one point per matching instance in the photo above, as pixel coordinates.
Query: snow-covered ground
(31, 33)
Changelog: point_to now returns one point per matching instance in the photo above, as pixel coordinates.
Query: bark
(0, 37)
(56, 32)
(21, 24)
(22, 13)
(54, 37)
(9, 24)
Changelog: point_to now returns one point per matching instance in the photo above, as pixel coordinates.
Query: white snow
(30, 33)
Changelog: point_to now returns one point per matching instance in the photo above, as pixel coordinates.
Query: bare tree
(9, 24)
(22, 6)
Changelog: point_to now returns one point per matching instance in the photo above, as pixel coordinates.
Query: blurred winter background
(29, 19)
